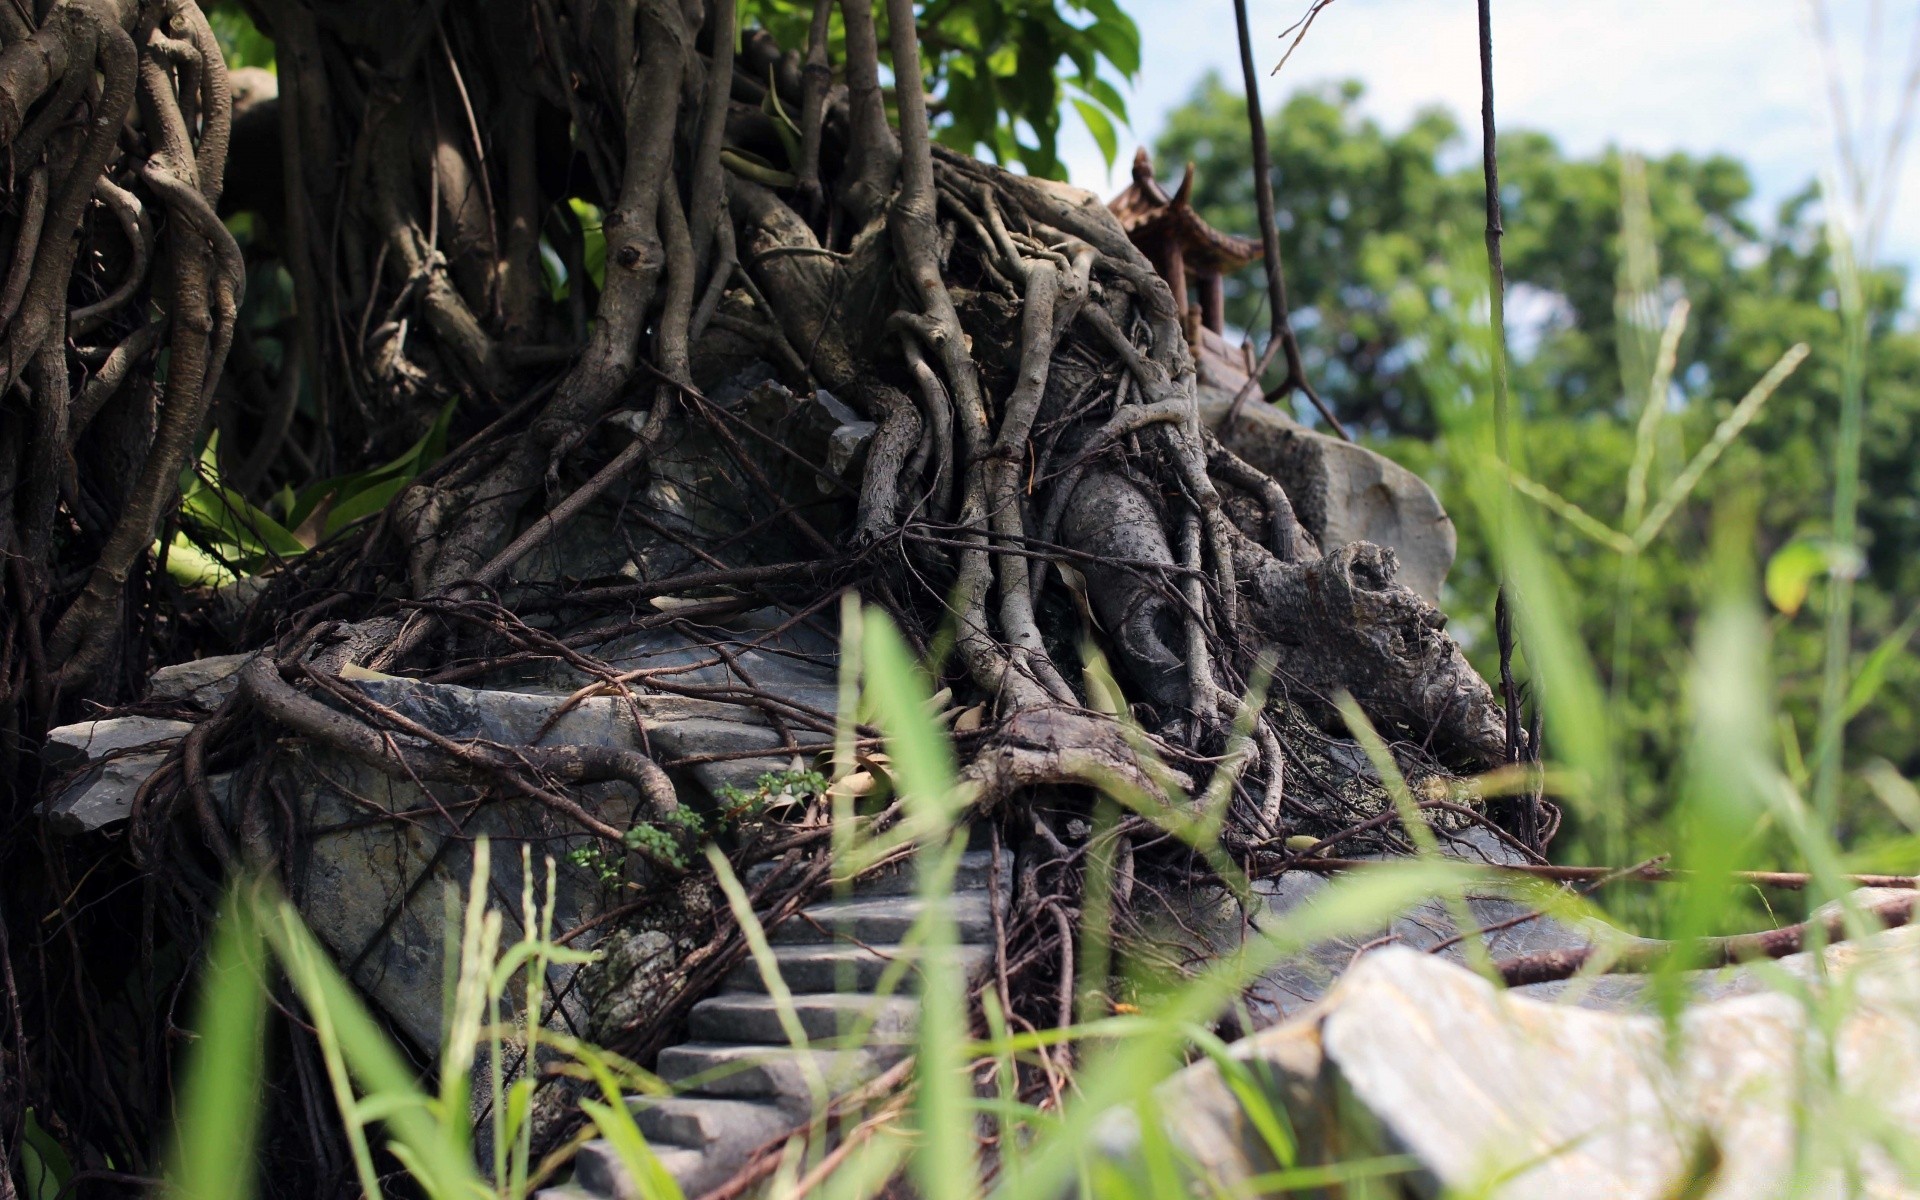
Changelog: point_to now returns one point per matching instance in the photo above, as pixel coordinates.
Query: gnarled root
(1341, 623)
(1060, 746)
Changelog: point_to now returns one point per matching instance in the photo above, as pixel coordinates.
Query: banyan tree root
(1034, 405)
(1037, 480)
(1027, 375)
(139, 197)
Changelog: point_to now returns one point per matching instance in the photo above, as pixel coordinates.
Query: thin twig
(1791, 880)
(1637, 958)
(1282, 321)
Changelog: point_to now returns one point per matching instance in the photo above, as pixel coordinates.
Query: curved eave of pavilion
(1200, 243)
(1150, 215)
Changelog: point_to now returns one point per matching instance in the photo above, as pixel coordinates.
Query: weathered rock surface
(1340, 491)
(381, 855)
(1504, 1095)
(109, 760)
(204, 683)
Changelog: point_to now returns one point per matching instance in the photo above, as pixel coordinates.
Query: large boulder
(1506, 1095)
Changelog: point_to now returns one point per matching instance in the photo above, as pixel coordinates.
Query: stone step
(782, 1074)
(901, 880)
(825, 1018)
(729, 1128)
(877, 920)
(597, 1169)
(839, 968)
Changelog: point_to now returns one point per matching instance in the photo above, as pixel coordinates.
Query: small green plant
(773, 790)
(224, 536)
(603, 866)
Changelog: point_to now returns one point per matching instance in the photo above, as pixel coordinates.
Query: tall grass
(932, 1134)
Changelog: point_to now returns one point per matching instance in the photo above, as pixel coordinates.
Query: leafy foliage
(225, 535)
(1002, 72)
(1380, 235)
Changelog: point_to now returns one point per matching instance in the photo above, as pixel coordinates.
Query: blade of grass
(1414, 821)
(1724, 434)
(214, 1141)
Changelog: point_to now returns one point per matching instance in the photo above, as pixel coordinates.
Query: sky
(1744, 77)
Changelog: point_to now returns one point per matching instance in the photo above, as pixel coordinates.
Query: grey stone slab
(104, 764)
(205, 683)
(795, 1078)
(707, 1123)
(876, 920)
(70, 746)
(597, 1169)
(827, 1018)
(103, 796)
(512, 718)
(902, 879)
(838, 968)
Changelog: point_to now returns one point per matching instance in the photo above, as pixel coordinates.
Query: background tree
(1373, 224)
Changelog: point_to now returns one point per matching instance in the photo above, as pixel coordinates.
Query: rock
(1296, 983)
(204, 683)
(1507, 1096)
(104, 795)
(847, 450)
(114, 757)
(375, 890)
(90, 741)
(1341, 492)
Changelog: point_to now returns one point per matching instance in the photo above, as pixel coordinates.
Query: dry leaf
(675, 603)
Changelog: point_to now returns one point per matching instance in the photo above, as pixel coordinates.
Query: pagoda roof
(1150, 215)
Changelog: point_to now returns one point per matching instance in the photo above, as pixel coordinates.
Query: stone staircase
(739, 1083)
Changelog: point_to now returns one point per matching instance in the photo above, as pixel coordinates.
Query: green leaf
(593, 236)
(1101, 128)
(1118, 41)
(1107, 95)
(429, 1145)
(44, 1164)
(190, 566)
(1791, 572)
(364, 504)
(363, 493)
(227, 515)
(897, 695)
